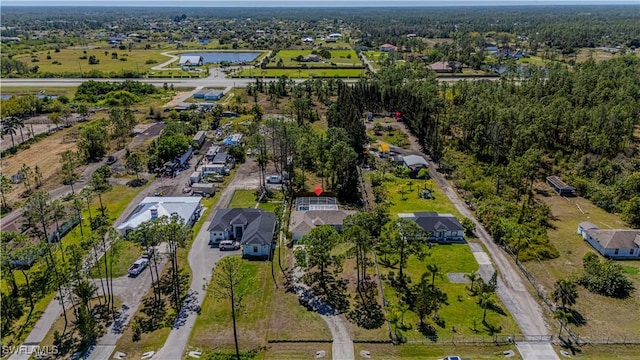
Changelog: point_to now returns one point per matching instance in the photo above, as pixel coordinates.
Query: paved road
(511, 286)
(210, 81)
(202, 259)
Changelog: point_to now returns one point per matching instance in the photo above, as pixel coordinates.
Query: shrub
(604, 277)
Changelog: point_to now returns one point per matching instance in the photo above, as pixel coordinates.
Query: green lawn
(213, 327)
(243, 199)
(126, 253)
(410, 202)
(35, 90)
(303, 73)
(462, 309)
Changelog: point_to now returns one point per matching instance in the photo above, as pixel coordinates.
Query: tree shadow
(491, 329)
(497, 309)
(428, 331)
(576, 318)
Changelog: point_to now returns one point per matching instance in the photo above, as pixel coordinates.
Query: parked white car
(229, 245)
(138, 266)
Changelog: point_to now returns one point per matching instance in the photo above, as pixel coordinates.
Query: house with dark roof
(253, 228)
(614, 243)
(440, 228)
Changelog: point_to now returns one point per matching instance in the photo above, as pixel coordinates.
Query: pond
(232, 57)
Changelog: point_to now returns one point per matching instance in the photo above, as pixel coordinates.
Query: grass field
(303, 73)
(70, 62)
(604, 352)
(243, 199)
(420, 351)
(338, 57)
(35, 90)
(126, 253)
(600, 321)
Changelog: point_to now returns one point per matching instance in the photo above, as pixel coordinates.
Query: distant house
(388, 48)
(444, 67)
(154, 207)
(308, 40)
(311, 58)
(560, 186)
(253, 228)
(440, 228)
(613, 244)
(304, 221)
(191, 60)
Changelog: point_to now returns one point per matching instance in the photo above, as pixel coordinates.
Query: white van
(229, 245)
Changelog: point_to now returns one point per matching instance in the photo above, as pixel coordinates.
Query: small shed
(560, 186)
(195, 177)
(204, 190)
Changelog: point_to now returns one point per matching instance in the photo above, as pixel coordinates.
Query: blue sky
(307, 3)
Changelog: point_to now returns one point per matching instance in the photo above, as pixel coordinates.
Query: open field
(601, 323)
(289, 351)
(36, 90)
(395, 137)
(68, 60)
(126, 253)
(303, 73)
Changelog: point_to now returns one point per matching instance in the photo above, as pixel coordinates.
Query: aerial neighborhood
(310, 182)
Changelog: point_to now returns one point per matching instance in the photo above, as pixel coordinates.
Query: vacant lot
(601, 322)
(69, 60)
(419, 351)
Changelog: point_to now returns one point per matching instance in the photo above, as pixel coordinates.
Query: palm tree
(85, 290)
(485, 300)
(563, 317)
(473, 277)
(565, 292)
(433, 270)
(9, 127)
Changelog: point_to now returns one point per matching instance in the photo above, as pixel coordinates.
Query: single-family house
(442, 67)
(253, 228)
(560, 186)
(440, 228)
(304, 221)
(612, 243)
(308, 40)
(154, 207)
(191, 60)
(388, 48)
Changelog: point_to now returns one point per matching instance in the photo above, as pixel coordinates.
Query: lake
(232, 57)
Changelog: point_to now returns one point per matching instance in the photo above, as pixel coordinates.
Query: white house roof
(166, 206)
(190, 59)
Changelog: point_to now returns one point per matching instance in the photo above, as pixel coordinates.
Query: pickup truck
(138, 266)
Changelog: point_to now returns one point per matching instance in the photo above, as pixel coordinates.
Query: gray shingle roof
(431, 221)
(259, 229)
(616, 239)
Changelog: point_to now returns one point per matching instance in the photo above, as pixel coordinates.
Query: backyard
(601, 324)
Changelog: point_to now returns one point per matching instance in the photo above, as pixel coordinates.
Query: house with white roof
(191, 60)
(155, 207)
